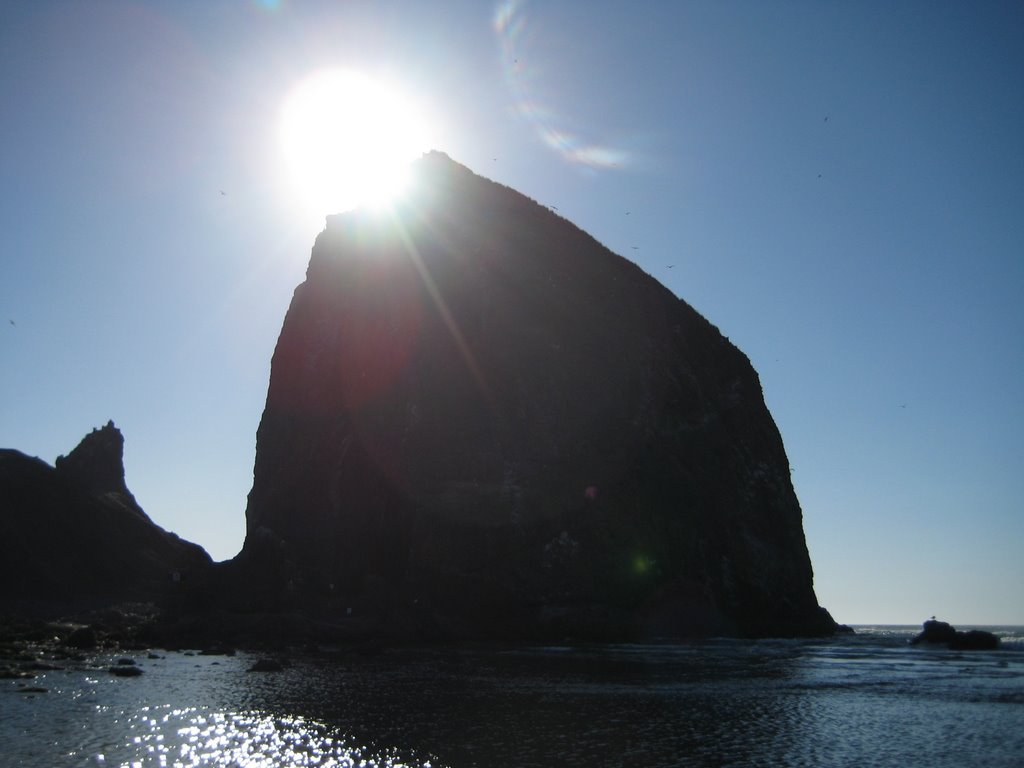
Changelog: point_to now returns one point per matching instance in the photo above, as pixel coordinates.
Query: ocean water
(863, 700)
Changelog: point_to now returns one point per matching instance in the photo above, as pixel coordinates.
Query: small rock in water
(939, 632)
(126, 671)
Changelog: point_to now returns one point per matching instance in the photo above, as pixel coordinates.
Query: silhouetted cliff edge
(483, 423)
(74, 535)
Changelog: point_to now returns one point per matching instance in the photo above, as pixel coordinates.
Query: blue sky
(839, 187)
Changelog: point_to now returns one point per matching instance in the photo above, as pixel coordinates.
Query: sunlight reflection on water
(866, 700)
(194, 737)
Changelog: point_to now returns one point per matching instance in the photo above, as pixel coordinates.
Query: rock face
(940, 633)
(481, 422)
(96, 466)
(74, 532)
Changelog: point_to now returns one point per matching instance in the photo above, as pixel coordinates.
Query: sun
(348, 140)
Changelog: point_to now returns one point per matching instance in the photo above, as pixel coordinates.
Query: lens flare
(521, 74)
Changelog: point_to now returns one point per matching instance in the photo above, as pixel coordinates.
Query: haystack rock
(483, 423)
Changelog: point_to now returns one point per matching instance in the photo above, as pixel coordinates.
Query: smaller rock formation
(96, 466)
(941, 633)
(74, 534)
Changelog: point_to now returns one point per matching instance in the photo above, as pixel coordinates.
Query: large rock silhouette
(483, 423)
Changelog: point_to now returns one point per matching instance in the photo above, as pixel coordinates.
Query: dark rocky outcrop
(940, 633)
(73, 534)
(481, 422)
(96, 465)
(125, 671)
(974, 640)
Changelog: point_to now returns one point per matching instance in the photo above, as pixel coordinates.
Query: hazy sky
(839, 187)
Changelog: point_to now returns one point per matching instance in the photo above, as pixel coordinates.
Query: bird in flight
(13, 323)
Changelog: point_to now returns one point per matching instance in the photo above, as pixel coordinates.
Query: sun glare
(348, 141)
